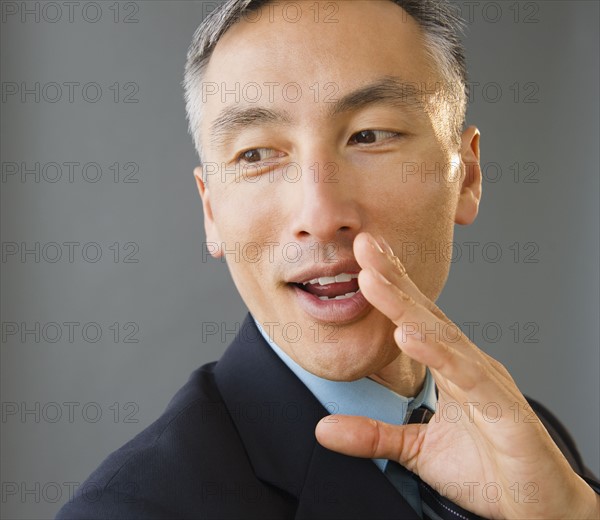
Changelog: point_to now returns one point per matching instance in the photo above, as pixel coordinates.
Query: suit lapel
(272, 410)
(338, 486)
(276, 415)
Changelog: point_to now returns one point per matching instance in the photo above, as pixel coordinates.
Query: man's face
(306, 144)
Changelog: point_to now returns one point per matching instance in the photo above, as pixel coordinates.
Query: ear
(470, 189)
(213, 241)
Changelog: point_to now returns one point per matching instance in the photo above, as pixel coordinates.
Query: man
(315, 164)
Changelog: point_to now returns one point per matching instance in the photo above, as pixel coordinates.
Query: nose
(325, 204)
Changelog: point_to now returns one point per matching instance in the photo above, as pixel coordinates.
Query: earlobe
(470, 190)
(213, 242)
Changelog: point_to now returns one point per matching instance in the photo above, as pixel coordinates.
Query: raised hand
(484, 439)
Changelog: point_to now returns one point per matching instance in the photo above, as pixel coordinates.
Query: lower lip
(332, 311)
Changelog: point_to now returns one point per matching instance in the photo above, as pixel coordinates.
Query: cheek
(417, 209)
(244, 218)
(249, 227)
(419, 219)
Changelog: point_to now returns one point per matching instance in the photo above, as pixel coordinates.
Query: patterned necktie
(403, 480)
(420, 415)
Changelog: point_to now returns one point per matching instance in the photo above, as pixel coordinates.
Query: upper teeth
(326, 280)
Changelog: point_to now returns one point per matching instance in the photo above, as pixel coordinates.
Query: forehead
(347, 43)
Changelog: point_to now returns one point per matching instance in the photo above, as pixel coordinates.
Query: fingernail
(374, 243)
(380, 277)
(384, 244)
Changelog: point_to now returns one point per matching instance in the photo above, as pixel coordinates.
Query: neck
(403, 376)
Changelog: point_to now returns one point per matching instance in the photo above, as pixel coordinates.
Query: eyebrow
(234, 119)
(388, 90)
(385, 91)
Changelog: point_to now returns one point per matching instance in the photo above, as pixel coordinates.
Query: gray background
(166, 298)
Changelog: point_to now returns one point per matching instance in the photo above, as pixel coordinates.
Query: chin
(348, 362)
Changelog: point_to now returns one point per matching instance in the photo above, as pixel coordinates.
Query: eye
(372, 136)
(256, 155)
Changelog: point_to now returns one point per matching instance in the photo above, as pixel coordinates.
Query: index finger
(378, 255)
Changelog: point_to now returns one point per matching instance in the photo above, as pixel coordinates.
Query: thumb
(365, 437)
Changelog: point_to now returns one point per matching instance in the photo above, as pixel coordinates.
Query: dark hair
(438, 19)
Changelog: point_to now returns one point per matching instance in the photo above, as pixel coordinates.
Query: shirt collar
(361, 397)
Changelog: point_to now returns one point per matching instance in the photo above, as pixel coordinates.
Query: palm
(453, 457)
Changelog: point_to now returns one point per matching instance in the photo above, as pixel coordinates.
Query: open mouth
(329, 296)
(339, 287)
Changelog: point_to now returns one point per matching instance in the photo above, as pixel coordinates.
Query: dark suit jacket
(237, 441)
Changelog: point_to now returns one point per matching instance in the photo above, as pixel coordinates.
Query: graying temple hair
(438, 19)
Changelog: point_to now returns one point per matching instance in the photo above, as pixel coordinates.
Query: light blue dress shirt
(363, 397)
